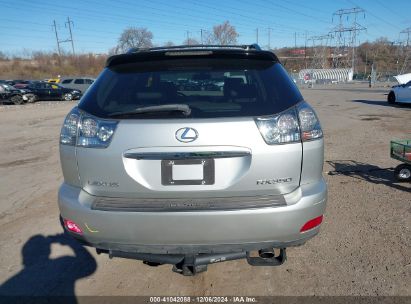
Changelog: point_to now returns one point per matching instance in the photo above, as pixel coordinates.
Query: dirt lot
(363, 248)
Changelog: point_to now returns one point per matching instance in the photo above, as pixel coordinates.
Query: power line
(297, 12)
(375, 16)
(388, 8)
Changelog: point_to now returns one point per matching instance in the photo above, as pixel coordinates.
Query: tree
(223, 34)
(134, 37)
(190, 41)
(382, 54)
(114, 51)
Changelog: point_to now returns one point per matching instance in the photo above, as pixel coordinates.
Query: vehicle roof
(193, 51)
(77, 77)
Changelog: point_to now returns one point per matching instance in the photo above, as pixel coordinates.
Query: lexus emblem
(186, 135)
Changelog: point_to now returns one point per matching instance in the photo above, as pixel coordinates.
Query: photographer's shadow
(44, 276)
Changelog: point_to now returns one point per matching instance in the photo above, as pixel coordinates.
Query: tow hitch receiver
(191, 264)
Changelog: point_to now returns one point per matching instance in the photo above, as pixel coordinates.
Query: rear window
(67, 81)
(210, 87)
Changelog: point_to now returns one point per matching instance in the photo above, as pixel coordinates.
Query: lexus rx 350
(193, 155)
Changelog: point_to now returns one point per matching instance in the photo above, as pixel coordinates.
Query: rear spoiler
(192, 51)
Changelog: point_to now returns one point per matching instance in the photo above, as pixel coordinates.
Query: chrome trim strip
(186, 204)
(185, 155)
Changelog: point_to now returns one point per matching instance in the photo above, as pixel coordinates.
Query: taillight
(68, 134)
(281, 128)
(72, 227)
(83, 130)
(296, 124)
(309, 123)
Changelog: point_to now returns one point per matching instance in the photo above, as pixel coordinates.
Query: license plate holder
(167, 172)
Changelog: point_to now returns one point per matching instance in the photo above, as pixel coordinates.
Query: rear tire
(391, 98)
(31, 98)
(403, 173)
(17, 99)
(68, 97)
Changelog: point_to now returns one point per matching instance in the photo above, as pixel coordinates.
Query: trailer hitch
(191, 264)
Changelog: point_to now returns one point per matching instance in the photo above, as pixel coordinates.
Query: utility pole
(57, 37)
(256, 33)
(295, 40)
(305, 49)
(269, 37)
(70, 23)
(201, 36)
(188, 37)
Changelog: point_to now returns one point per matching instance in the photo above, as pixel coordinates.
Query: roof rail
(246, 47)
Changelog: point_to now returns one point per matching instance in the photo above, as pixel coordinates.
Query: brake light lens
(309, 123)
(68, 134)
(72, 227)
(83, 130)
(312, 224)
(280, 129)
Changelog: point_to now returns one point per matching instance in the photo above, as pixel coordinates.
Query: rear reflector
(312, 224)
(72, 227)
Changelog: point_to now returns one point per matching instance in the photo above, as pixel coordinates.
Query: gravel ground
(362, 249)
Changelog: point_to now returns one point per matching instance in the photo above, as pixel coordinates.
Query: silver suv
(193, 155)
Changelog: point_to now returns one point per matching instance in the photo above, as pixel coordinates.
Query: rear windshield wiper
(181, 108)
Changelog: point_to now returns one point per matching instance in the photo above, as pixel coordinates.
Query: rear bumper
(77, 96)
(195, 231)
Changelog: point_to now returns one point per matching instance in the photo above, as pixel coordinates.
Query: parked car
(22, 84)
(13, 82)
(77, 83)
(52, 91)
(196, 176)
(9, 94)
(400, 93)
(53, 80)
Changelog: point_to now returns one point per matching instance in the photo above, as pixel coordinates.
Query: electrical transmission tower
(406, 49)
(320, 51)
(345, 35)
(407, 31)
(68, 24)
